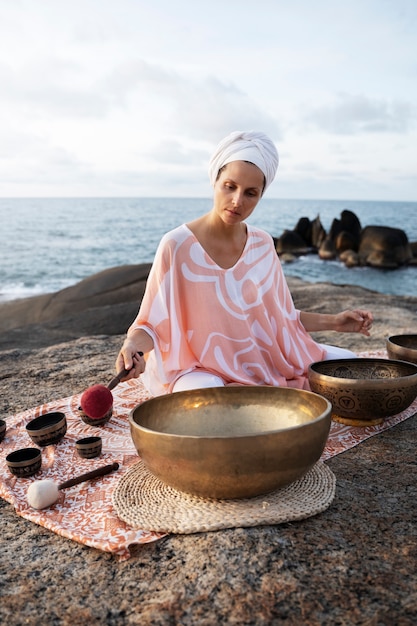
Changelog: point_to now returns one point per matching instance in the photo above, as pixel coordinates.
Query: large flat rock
(353, 564)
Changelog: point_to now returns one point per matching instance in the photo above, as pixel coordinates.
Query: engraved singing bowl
(47, 429)
(364, 391)
(231, 442)
(402, 347)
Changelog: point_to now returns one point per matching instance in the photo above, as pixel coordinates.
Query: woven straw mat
(143, 501)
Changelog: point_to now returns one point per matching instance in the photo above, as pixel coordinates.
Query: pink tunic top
(238, 323)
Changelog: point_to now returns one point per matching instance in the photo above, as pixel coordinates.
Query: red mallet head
(96, 401)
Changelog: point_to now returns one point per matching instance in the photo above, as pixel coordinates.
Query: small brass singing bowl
(231, 442)
(89, 447)
(25, 462)
(402, 347)
(47, 429)
(364, 391)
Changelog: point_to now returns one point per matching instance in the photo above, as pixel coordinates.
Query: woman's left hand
(357, 321)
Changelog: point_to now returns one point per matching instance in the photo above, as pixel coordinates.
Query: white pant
(201, 380)
(333, 352)
(197, 380)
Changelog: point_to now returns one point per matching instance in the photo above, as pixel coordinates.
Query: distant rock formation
(382, 247)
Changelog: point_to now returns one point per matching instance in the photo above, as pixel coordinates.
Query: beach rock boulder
(346, 232)
(105, 303)
(291, 242)
(327, 250)
(318, 233)
(350, 258)
(413, 246)
(311, 231)
(384, 247)
(306, 237)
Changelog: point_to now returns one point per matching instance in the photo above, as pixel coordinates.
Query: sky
(129, 97)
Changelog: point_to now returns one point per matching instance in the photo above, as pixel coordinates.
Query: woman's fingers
(131, 360)
(138, 364)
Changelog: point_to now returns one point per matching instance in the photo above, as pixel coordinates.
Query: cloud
(203, 107)
(31, 158)
(31, 162)
(174, 151)
(51, 86)
(152, 97)
(358, 114)
(212, 108)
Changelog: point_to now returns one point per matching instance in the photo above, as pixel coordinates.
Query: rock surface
(104, 303)
(353, 564)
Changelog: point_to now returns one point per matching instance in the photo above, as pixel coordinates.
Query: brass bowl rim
(91, 440)
(33, 428)
(326, 413)
(33, 456)
(377, 381)
(393, 340)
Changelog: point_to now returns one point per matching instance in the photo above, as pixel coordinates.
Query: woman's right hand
(131, 354)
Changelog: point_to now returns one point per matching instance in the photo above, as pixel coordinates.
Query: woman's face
(237, 191)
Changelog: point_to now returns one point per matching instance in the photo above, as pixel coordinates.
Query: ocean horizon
(48, 244)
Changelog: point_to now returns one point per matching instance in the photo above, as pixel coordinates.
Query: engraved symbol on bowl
(394, 402)
(382, 372)
(342, 372)
(346, 402)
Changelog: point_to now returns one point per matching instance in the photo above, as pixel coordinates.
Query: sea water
(49, 244)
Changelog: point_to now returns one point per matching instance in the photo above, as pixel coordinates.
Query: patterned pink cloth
(84, 513)
(239, 323)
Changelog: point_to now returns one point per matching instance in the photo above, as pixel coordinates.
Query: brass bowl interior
(209, 419)
(368, 371)
(231, 442)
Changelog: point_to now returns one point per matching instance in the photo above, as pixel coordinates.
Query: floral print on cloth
(84, 512)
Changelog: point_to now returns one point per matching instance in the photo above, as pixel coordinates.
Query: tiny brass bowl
(364, 391)
(24, 462)
(231, 442)
(47, 429)
(89, 447)
(402, 347)
(3, 427)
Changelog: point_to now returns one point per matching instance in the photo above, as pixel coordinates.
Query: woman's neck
(223, 243)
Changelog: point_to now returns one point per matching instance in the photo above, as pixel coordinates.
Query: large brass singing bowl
(364, 391)
(402, 347)
(231, 442)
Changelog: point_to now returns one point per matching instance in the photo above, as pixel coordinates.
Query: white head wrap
(251, 146)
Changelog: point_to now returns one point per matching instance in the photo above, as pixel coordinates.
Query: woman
(217, 309)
